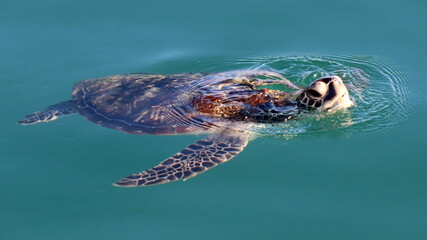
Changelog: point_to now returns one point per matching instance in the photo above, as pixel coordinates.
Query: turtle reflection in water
(221, 105)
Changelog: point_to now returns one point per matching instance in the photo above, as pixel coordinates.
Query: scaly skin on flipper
(191, 161)
(50, 113)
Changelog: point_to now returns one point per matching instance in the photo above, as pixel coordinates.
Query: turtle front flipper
(50, 113)
(191, 161)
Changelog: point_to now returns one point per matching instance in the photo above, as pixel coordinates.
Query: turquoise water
(356, 175)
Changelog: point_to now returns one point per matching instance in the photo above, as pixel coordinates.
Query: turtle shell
(177, 103)
(142, 103)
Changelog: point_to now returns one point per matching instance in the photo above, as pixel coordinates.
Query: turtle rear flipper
(50, 113)
(191, 161)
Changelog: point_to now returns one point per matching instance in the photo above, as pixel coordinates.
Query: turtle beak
(337, 96)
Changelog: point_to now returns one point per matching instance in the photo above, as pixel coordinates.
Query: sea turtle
(219, 104)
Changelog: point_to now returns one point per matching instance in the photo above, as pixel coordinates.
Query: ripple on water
(379, 90)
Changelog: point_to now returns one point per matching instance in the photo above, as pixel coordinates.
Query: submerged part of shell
(139, 103)
(182, 103)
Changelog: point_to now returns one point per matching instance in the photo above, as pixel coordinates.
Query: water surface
(351, 175)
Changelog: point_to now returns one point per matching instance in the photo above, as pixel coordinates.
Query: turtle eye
(313, 93)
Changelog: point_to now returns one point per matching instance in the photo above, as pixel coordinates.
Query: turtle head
(325, 93)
